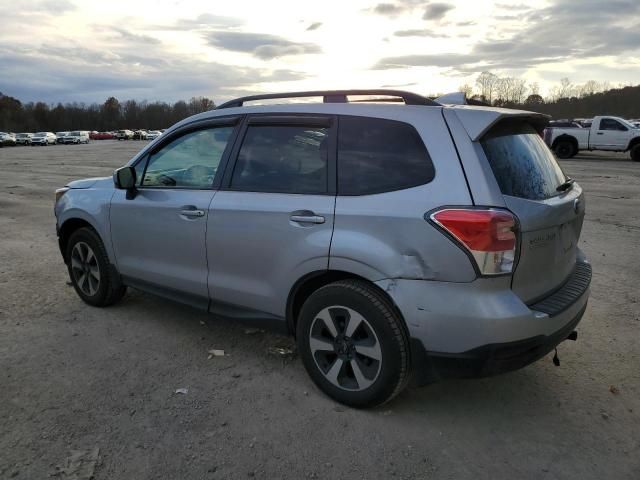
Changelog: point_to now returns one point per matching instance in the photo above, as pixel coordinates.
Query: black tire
(388, 375)
(109, 289)
(565, 149)
(635, 153)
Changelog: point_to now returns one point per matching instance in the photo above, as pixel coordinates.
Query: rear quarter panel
(386, 235)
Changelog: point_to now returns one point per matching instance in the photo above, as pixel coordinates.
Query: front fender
(91, 206)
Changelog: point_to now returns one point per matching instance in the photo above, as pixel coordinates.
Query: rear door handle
(600, 133)
(191, 211)
(307, 218)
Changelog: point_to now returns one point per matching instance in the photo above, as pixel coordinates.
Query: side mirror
(125, 179)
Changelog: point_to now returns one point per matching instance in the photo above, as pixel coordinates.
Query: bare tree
(487, 83)
(466, 89)
(565, 89)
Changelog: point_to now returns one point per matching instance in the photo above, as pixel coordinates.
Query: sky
(85, 51)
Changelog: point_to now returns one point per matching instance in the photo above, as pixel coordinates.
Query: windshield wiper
(563, 187)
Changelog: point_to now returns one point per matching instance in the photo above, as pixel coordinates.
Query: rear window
(521, 162)
(377, 155)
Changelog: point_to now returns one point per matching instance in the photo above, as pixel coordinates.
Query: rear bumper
(486, 360)
(482, 328)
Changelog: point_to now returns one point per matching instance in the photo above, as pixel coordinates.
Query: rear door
(272, 220)
(550, 220)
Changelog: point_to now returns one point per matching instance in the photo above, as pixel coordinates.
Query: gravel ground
(87, 390)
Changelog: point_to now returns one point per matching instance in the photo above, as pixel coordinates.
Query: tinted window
(190, 161)
(376, 155)
(610, 124)
(288, 159)
(521, 162)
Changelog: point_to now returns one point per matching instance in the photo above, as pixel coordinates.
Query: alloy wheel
(345, 348)
(85, 269)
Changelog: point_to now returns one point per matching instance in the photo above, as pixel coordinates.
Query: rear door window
(523, 165)
(283, 159)
(377, 155)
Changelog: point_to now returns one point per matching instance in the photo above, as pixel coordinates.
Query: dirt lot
(94, 388)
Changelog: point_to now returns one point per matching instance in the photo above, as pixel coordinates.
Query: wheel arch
(565, 137)
(633, 142)
(66, 230)
(312, 281)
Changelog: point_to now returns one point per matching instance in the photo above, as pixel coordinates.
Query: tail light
(489, 235)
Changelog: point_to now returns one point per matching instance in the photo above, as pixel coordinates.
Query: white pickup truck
(606, 133)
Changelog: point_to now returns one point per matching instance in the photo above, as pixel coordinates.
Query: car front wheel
(354, 344)
(91, 273)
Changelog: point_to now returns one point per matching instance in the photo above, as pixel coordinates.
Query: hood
(91, 182)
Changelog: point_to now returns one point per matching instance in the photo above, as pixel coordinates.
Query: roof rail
(335, 96)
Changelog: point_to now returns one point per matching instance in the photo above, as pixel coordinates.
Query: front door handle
(600, 133)
(191, 211)
(306, 217)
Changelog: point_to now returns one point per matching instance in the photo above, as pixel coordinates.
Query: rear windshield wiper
(563, 187)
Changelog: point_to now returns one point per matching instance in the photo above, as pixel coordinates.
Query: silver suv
(396, 241)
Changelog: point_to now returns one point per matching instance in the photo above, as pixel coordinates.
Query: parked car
(7, 139)
(395, 242)
(124, 135)
(153, 134)
(101, 136)
(77, 137)
(140, 135)
(60, 136)
(44, 138)
(606, 133)
(23, 138)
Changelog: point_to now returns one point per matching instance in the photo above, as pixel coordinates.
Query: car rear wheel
(635, 153)
(91, 273)
(354, 344)
(565, 149)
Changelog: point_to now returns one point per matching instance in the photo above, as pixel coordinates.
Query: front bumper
(482, 328)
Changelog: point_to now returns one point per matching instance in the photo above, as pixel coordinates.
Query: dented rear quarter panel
(386, 235)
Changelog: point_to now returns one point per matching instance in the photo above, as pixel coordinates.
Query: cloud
(52, 7)
(420, 33)
(130, 37)
(314, 26)
(203, 21)
(390, 9)
(544, 39)
(75, 73)
(400, 6)
(261, 45)
(513, 6)
(436, 11)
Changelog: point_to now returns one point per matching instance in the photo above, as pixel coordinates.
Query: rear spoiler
(479, 120)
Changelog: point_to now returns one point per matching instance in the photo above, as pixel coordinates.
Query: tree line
(564, 100)
(16, 116)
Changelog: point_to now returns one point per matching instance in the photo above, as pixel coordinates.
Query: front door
(272, 220)
(159, 236)
(610, 135)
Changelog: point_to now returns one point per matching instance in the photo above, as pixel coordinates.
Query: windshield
(74, 134)
(41, 134)
(22, 135)
(523, 165)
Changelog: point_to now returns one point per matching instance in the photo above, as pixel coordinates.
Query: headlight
(60, 192)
